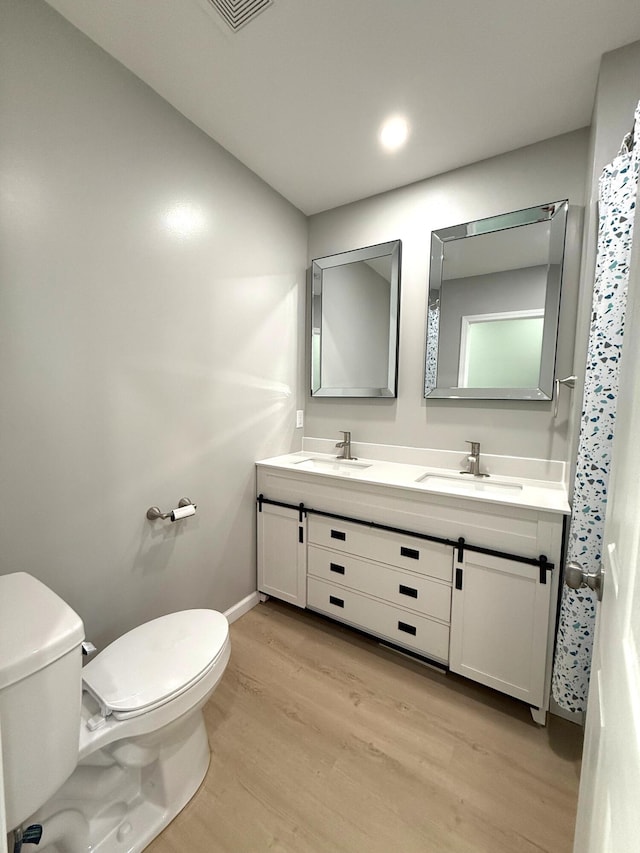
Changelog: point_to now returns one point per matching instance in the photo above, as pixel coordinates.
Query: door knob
(576, 578)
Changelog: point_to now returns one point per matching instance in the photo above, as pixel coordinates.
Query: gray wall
(139, 365)
(544, 172)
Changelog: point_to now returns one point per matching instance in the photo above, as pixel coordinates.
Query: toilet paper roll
(182, 512)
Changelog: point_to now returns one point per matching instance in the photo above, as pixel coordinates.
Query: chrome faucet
(346, 446)
(474, 460)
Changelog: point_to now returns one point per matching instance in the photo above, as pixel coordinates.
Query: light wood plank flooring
(324, 741)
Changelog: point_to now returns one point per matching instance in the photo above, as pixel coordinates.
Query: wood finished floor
(324, 741)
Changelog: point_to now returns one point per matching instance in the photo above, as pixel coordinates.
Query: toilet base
(107, 807)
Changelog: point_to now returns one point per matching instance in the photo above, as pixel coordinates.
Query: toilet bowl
(139, 747)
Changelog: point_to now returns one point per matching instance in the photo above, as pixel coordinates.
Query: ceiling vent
(237, 13)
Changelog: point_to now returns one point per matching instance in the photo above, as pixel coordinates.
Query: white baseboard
(242, 607)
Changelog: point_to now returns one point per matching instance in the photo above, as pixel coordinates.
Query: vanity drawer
(415, 592)
(395, 549)
(415, 632)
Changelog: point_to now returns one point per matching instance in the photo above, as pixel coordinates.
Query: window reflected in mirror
(501, 350)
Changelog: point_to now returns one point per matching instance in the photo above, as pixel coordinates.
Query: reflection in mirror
(494, 299)
(355, 299)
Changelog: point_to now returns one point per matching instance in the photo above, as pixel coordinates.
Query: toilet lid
(156, 661)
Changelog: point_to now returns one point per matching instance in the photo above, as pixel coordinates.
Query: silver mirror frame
(556, 214)
(391, 249)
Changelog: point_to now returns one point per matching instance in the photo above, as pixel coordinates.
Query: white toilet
(102, 757)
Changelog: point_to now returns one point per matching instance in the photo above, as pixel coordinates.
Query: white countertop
(543, 495)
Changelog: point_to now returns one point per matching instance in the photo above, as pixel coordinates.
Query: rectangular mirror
(355, 312)
(494, 302)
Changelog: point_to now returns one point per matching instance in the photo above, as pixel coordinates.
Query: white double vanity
(460, 570)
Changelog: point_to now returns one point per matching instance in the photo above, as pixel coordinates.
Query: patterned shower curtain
(617, 195)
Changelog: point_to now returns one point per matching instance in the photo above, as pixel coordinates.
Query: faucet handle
(346, 444)
(475, 447)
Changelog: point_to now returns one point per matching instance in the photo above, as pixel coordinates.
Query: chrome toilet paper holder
(155, 512)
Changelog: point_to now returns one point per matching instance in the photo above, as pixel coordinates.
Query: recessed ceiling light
(394, 133)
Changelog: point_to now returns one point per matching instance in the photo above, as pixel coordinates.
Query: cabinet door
(500, 624)
(282, 563)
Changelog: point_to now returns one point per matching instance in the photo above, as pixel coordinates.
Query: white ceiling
(298, 95)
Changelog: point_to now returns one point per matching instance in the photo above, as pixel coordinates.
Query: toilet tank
(40, 693)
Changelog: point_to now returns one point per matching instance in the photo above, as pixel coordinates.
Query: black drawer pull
(334, 567)
(408, 590)
(408, 629)
(338, 534)
(337, 601)
(410, 552)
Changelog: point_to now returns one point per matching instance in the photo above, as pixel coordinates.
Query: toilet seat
(155, 662)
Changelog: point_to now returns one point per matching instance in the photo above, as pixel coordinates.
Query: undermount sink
(468, 485)
(335, 466)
